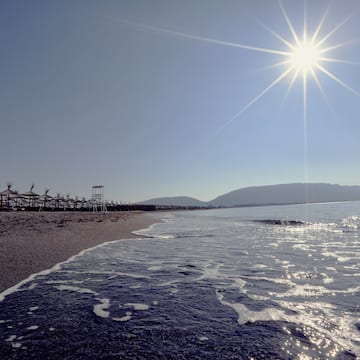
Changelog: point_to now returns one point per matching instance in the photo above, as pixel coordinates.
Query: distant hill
(268, 195)
(287, 194)
(183, 201)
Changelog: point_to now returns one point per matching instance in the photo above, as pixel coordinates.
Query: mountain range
(268, 195)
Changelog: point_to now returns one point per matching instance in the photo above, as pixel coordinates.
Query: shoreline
(31, 242)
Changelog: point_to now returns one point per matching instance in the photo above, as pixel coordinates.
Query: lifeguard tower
(97, 198)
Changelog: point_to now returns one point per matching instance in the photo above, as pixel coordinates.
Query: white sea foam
(101, 309)
(303, 290)
(327, 279)
(11, 338)
(69, 281)
(75, 289)
(117, 273)
(274, 280)
(137, 286)
(203, 338)
(127, 317)
(259, 266)
(148, 230)
(273, 244)
(154, 268)
(210, 271)
(245, 315)
(352, 267)
(33, 327)
(304, 247)
(330, 268)
(240, 285)
(14, 344)
(169, 283)
(344, 258)
(258, 297)
(138, 306)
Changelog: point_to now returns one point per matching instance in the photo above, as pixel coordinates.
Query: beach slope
(34, 241)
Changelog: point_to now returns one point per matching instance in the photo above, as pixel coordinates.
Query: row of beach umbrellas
(12, 199)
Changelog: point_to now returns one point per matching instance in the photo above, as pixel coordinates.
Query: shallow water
(263, 283)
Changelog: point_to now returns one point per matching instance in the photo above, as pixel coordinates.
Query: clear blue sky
(94, 92)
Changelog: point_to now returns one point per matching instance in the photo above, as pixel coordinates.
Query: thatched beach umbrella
(77, 202)
(83, 203)
(7, 195)
(45, 198)
(59, 201)
(31, 196)
(68, 202)
(17, 199)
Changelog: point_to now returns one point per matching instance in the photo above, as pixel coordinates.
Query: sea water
(276, 282)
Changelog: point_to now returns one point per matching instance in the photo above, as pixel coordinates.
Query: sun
(305, 57)
(302, 58)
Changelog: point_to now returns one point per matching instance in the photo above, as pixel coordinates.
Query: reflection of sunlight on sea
(299, 291)
(308, 271)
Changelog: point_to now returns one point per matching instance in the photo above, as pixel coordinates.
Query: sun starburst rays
(305, 56)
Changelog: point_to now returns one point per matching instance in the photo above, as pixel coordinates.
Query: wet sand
(34, 241)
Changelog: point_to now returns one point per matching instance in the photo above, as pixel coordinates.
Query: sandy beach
(34, 241)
